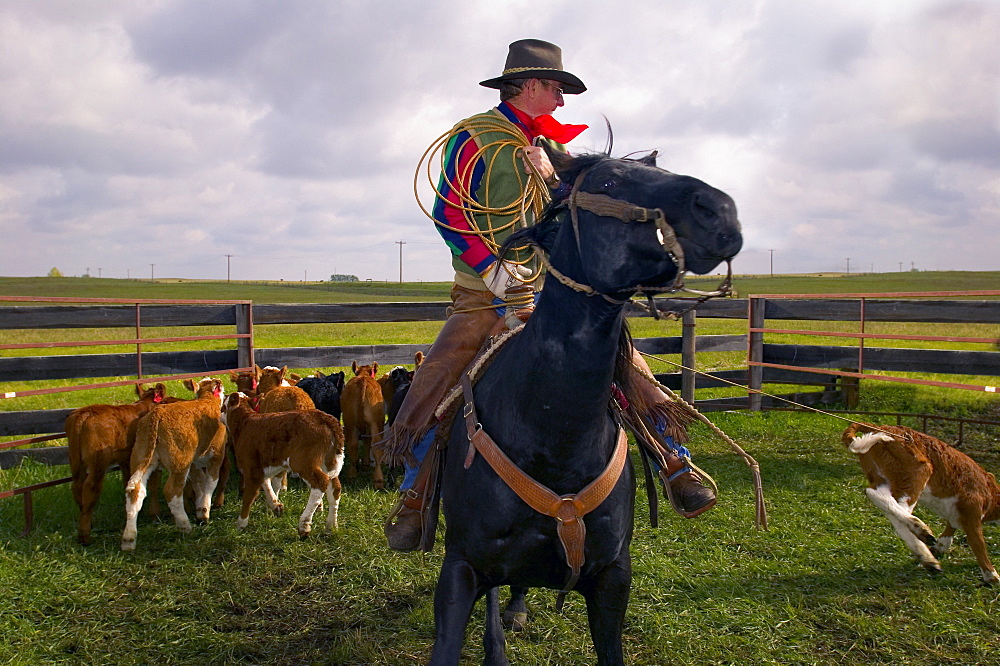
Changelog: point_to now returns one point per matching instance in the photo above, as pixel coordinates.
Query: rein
(605, 206)
(568, 510)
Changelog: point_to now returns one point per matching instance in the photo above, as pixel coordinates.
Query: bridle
(605, 206)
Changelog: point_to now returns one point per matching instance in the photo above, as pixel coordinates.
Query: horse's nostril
(729, 243)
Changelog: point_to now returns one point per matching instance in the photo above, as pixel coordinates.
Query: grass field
(344, 292)
(828, 583)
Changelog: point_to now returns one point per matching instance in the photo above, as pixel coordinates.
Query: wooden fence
(809, 365)
(856, 362)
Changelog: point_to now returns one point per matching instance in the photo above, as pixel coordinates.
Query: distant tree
(55, 272)
(343, 278)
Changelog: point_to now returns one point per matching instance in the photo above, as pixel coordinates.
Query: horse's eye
(609, 184)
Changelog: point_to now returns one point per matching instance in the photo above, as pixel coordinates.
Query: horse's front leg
(456, 593)
(515, 613)
(494, 645)
(607, 594)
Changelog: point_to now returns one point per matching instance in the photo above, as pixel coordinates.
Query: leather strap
(568, 510)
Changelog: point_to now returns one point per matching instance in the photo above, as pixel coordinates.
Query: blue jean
(419, 451)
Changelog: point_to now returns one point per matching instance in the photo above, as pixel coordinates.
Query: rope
(481, 216)
(754, 466)
(757, 391)
(761, 509)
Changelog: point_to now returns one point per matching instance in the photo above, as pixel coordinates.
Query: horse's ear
(562, 162)
(649, 160)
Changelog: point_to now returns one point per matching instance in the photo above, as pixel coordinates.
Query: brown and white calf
(363, 412)
(270, 377)
(280, 397)
(309, 443)
(97, 436)
(906, 467)
(187, 439)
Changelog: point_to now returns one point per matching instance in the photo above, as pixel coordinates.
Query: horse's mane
(543, 233)
(623, 363)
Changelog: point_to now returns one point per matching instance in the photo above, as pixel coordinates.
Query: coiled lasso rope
(482, 216)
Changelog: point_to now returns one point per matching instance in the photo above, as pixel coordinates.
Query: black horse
(545, 396)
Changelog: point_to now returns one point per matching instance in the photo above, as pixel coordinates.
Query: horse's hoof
(514, 621)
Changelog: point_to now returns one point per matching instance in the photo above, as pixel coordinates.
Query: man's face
(544, 96)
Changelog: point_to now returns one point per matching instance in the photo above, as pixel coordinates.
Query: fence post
(688, 341)
(244, 325)
(755, 352)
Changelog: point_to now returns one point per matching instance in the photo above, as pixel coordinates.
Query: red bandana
(551, 128)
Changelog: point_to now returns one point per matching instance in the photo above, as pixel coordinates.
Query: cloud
(286, 132)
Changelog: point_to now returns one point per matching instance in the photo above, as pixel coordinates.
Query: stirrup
(689, 466)
(396, 508)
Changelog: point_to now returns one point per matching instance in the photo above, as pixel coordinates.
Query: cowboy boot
(404, 526)
(685, 489)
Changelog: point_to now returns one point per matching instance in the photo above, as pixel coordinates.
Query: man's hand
(536, 159)
(503, 276)
(520, 304)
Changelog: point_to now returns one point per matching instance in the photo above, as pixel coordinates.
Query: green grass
(840, 283)
(341, 292)
(259, 292)
(828, 583)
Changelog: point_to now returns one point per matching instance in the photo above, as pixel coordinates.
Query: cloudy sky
(278, 139)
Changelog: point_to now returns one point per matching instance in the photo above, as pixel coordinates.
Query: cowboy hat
(535, 59)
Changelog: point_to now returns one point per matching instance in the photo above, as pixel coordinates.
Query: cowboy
(492, 168)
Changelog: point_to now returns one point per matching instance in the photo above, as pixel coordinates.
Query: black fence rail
(821, 366)
(857, 362)
(836, 370)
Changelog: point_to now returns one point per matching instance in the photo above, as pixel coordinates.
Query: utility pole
(848, 265)
(901, 267)
(400, 244)
(772, 262)
(151, 272)
(228, 257)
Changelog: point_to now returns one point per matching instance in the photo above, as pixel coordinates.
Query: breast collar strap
(568, 510)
